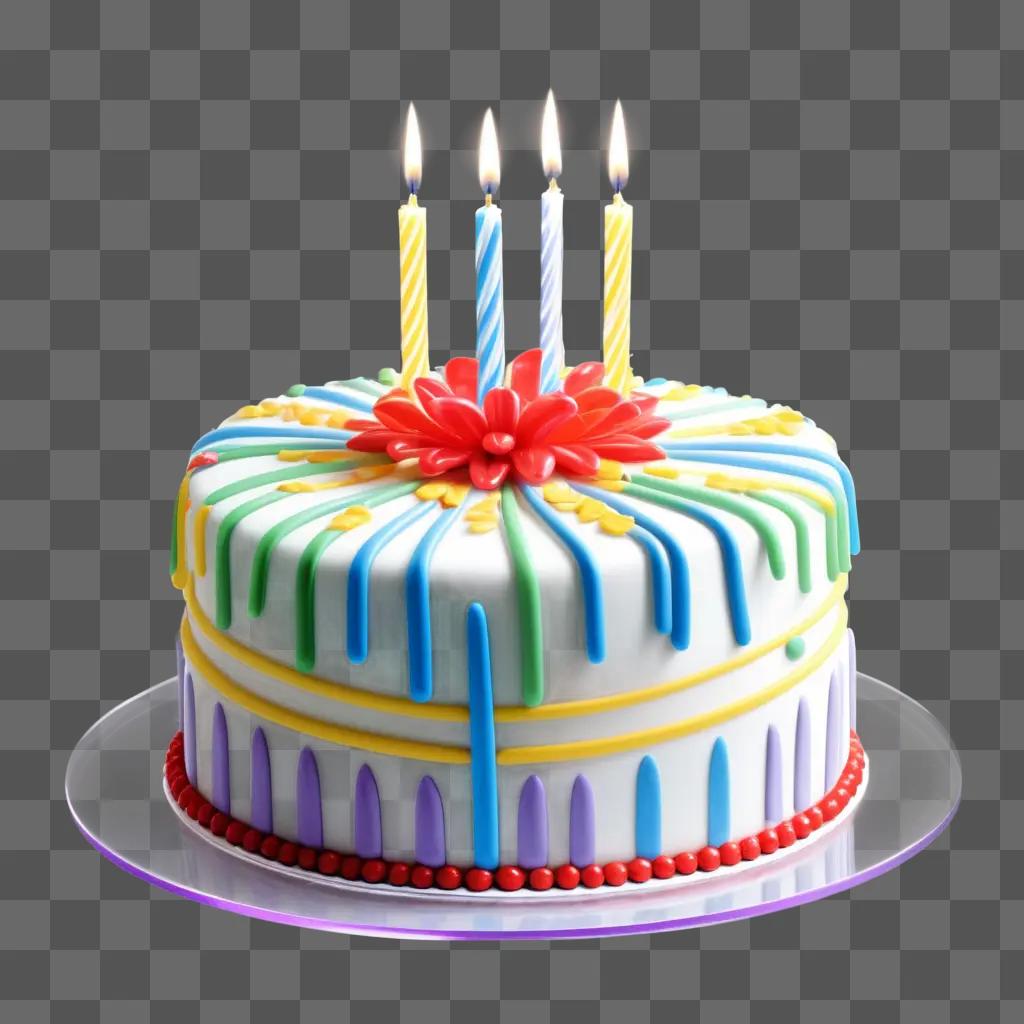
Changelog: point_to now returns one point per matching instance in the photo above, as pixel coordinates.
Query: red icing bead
(787, 837)
(219, 823)
(288, 854)
(448, 877)
(815, 817)
(193, 806)
(843, 796)
(350, 867)
(184, 796)
(750, 848)
(686, 863)
(510, 878)
(567, 876)
(328, 863)
(829, 808)
(768, 840)
(615, 873)
(307, 858)
(270, 847)
(592, 876)
(708, 859)
(251, 840)
(422, 876)
(801, 825)
(542, 879)
(729, 854)
(479, 879)
(374, 870)
(203, 459)
(205, 815)
(398, 874)
(663, 867)
(235, 833)
(640, 869)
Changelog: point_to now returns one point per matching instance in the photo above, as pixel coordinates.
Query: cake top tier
(719, 515)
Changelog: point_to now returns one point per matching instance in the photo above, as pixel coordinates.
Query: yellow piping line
(199, 540)
(340, 734)
(581, 749)
(822, 500)
(460, 713)
(180, 576)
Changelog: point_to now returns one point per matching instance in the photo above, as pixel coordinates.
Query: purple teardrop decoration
(773, 778)
(581, 823)
(430, 845)
(221, 761)
(532, 824)
(368, 841)
(851, 676)
(189, 727)
(179, 660)
(802, 759)
(262, 813)
(833, 728)
(309, 816)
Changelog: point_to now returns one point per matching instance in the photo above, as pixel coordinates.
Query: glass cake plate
(114, 787)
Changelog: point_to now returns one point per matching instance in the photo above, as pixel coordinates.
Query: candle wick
(413, 201)
(553, 183)
(487, 196)
(617, 198)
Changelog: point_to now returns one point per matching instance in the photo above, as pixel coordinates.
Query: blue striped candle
(490, 300)
(552, 247)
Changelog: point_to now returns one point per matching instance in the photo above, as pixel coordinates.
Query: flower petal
(586, 375)
(440, 460)
(488, 474)
(406, 416)
(543, 416)
(459, 416)
(625, 448)
(461, 374)
(501, 407)
(597, 398)
(534, 465)
(427, 388)
(524, 377)
(577, 459)
(375, 440)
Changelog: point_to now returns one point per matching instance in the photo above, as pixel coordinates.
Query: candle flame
(618, 154)
(550, 147)
(413, 159)
(490, 164)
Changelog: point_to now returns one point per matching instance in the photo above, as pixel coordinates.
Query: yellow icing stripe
(180, 575)
(199, 541)
(341, 734)
(460, 713)
(312, 684)
(643, 738)
(728, 481)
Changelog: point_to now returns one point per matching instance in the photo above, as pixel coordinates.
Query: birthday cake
(538, 640)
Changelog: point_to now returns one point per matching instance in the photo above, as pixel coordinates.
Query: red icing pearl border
(509, 877)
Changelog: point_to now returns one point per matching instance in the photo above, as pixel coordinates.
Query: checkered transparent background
(197, 208)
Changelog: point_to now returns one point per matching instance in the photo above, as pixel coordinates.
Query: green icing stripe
(273, 536)
(803, 540)
(769, 536)
(832, 545)
(228, 453)
(174, 534)
(367, 387)
(276, 476)
(305, 598)
(388, 376)
(531, 627)
(222, 554)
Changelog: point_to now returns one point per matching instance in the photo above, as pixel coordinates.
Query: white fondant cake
(427, 632)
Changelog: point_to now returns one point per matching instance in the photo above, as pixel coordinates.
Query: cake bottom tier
(510, 877)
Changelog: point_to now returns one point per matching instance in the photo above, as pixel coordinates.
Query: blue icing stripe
(679, 569)
(358, 602)
(648, 809)
(659, 578)
(339, 398)
(732, 566)
(718, 794)
(254, 430)
(774, 448)
(707, 410)
(417, 599)
(593, 593)
(653, 382)
(483, 755)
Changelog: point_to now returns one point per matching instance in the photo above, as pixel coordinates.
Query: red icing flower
(517, 430)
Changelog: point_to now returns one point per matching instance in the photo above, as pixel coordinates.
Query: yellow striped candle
(412, 248)
(618, 264)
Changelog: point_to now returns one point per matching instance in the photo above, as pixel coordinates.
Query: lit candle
(490, 314)
(618, 263)
(551, 253)
(412, 246)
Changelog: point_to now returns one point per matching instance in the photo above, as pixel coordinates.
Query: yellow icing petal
(668, 472)
(248, 412)
(350, 518)
(483, 525)
(432, 491)
(558, 491)
(313, 418)
(338, 419)
(455, 495)
(617, 524)
(372, 472)
(591, 509)
(609, 469)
